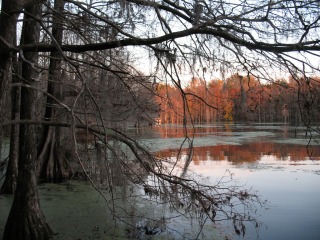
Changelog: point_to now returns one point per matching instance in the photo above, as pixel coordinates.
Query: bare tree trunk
(8, 20)
(7, 30)
(53, 165)
(10, 182)
(26, 219)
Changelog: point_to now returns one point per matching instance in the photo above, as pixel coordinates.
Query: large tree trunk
(53, 165)
(10, 182)
(26, 220)
(8, 20)
(7, 30)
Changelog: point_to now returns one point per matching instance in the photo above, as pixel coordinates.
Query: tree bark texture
(53, 164)
(10, 182)
(26, 220)
(8, 20)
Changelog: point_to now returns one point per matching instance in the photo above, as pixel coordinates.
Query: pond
(281, 162)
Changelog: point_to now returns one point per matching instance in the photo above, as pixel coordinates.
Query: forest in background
(242, 99)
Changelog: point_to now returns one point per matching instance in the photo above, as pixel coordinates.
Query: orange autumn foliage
(241, 98)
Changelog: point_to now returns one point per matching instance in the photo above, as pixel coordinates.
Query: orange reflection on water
(250, 152)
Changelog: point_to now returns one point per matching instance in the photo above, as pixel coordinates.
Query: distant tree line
(242, 99)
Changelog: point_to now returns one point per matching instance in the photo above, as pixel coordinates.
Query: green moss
(77, 211)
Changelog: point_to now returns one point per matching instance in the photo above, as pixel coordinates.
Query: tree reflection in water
(282, 171)
(250, 152)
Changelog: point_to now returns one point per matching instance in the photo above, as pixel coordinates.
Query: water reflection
(250, 152)
(285, 174)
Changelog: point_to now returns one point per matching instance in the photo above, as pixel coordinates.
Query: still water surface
(272, 159)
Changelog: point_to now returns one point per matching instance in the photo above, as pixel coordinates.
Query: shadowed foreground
(77, 211)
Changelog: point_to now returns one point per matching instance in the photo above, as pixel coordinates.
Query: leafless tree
(83, 45)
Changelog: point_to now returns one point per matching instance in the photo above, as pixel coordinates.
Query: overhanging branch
(277, 48)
